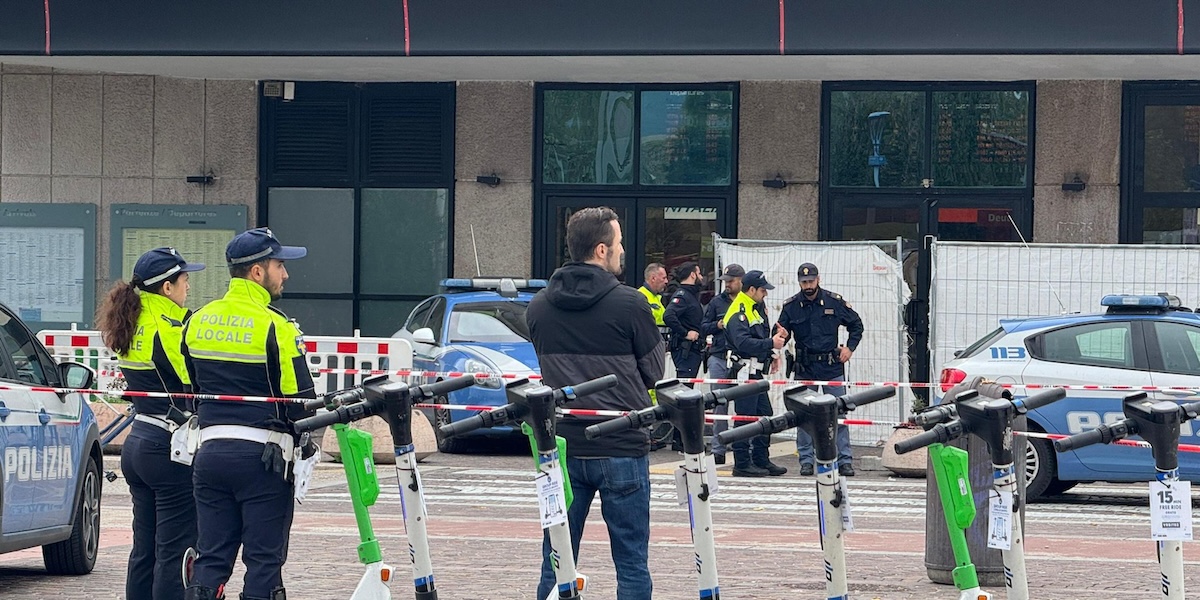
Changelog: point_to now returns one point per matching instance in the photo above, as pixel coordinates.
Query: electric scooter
(989, 417)
(533, 405)
(684, 408)
(1157, 423)
(393, 401)
(818, 415)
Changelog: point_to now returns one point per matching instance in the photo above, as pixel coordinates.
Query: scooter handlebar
(763, 426)
(568, 393)
(935, 414)
(1103, 434)
(633, 420)
(336, 399)
(342, 414)
(851, 401)
(939, 434)
(491, 418)
(738, 391)
(441, 388)
(1040, 399)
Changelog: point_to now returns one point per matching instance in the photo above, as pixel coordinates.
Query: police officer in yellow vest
(748, 336)
(240, 344)
(142, 321)
(655, 283)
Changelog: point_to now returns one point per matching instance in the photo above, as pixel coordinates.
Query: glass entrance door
(670, 231)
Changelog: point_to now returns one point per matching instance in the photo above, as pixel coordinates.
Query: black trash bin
(939, 556)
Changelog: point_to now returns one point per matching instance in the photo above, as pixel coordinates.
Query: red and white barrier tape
(587, 412)
(133, 394)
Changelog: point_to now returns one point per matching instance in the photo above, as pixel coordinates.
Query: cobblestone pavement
(1091, 543)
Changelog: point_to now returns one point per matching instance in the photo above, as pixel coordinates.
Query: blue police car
(474, 326)
(50, 447)
(1139, 340)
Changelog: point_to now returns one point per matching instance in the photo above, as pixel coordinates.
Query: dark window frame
(1157, 364)
(360, 94)
(1135, 97)
(544, 193)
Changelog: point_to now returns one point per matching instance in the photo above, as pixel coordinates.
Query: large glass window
(686, 137)
(587, 136)
(1172, 149)
(1099, 344)
(876, 139)
(944, 138)
(1171, 225)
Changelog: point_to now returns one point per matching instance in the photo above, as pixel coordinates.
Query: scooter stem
(1016, 581)
(833, 542)
(700, 513)
(412, 503)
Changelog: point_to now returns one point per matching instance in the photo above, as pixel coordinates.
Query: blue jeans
(624, 487)
(804, 443)
(717, 369)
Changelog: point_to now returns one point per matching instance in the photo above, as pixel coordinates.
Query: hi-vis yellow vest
(656, 306)
(743, 304)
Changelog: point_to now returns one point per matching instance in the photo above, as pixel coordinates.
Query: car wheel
(441, 416)
(1041, 465)
(76, 555)
(1059, 486)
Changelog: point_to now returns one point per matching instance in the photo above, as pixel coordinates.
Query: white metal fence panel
(871, 279)
(975, 285)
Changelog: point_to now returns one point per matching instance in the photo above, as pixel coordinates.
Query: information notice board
(48, 263)
(198, 233)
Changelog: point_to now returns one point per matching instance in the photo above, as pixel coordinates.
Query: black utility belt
(810, 357)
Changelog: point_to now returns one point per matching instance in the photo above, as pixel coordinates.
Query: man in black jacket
(585, 325)
(684, 316)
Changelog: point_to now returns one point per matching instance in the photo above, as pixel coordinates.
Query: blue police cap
(756, 279)
(161, 264)
(807, 272)
(257, 244)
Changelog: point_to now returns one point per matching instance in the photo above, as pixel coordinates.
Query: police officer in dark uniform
(685, 316)
(813, 316)
(142, 321)
(240, 344)
(714, 325)
(750, 343)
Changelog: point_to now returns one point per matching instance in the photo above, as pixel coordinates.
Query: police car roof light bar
(493, 283)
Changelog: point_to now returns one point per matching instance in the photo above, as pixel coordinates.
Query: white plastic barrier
(85, 347)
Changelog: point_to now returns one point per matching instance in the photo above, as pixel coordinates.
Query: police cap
(756, 279)
(732, 272)
(807, 272)
(160, 264)
(257, 244)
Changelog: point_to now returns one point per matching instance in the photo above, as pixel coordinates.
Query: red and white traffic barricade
(85, 347)
(340, 362)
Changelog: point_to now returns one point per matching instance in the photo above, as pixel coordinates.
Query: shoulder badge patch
(675, 300)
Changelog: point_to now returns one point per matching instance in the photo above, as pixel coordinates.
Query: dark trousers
(238, 503)
(686, 367)
(756, 450)
(164, 515)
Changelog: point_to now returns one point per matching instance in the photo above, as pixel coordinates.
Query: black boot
(743, 467)
(773, 469)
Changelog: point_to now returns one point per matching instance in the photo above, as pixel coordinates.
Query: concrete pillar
(1078, 131)
(780, 134)
(493, 134)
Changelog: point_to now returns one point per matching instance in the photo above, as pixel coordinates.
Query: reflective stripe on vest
(743, 304)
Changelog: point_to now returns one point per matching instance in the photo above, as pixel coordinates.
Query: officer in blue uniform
(813, 317)
(685, 316)
(142, 321)
(718, 366)
(240, 344)
(750, 343)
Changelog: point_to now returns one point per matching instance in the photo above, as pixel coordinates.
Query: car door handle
(1180, 393)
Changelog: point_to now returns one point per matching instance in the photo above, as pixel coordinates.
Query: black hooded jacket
(585, 325)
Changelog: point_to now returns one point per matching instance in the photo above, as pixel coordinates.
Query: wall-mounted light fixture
(205, 179)
(1077, 184)
(778, 183)
(492, 180)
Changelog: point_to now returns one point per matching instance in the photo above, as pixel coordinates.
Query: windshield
(489, 322)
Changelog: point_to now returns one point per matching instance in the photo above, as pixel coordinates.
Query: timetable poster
(196, 245)
(42, 273)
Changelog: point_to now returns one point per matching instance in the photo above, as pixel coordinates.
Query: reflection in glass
(678, 234)
(686, 137)
(489, 322)
(976, 225)
(323, 220)
(404, 245)
(1172, 153)
(880, 223)
(876, 132)
(1171, 225)
(981, 139)
(587, 136)
(318, 316)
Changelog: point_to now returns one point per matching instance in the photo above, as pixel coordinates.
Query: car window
(1107, 344)
(20, 346)
(419, 314)
(1179, 346)
(437, 317)
(983, 342)
(497, 322)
